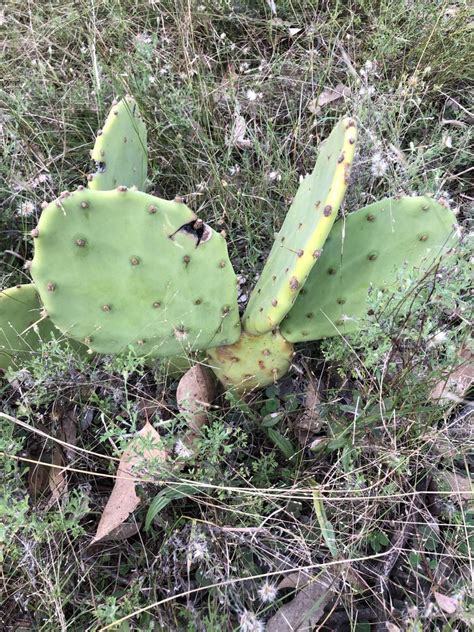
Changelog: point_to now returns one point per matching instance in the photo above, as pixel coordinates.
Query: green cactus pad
(23, 329)
(253, 362)
(368, 250)
(300, 241)
(122, 268)
(120, 150)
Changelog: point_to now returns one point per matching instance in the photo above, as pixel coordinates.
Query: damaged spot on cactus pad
(197, 230)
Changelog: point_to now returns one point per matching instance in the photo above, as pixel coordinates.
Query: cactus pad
(22, 327)
(252, 362)
(299, 243)
(368, 250)
(120, 268)
(120, 151)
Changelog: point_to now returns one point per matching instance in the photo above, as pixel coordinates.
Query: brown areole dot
(226, 310)
(261, 364)
(341, 301)
(341, 158)
(152, 209)
(327, 210)
(134, 261)
(222, 264)
(372, 256)
(156, 304)
(35, 233)
(81, 243)
(99, 132)
(370, 217)
(309, 315)
(274, 302)
(87, 340)
(84, 204)
(350, 123)
(50, 287)
(351, 141)
(266, 352)
(423, 237)
(140, 342)
(122, 188)
(186, 259)
(332, 271)
(106, 308)
(300, 253)
(317, 254)
(198, 301)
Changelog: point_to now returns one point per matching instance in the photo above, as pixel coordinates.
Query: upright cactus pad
(120, 151)
(22, 327)
(368, 250)
(253, 362)
(299, 243)
(120, 268)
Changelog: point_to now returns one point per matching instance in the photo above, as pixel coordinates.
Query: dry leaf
(196, 390)
(57, 477)
(123, 531)
(303, 613)
(237, 134)
(38, 479)
(295, 580)
(447, 604)
(123, 499)
(310, 422)
(458, 382)
(328, 95)
(461, 486)
(69, 432)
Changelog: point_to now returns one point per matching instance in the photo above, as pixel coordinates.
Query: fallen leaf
(238, 133)
(196, 390)
(391, 627)
(123, 499)
(328, 95)
(38, 479)
(447, 604)
(461, 486)
(57, 477)
(296, 580)
(458, 382)
(309, 422)
(306, 609)
(123, 531)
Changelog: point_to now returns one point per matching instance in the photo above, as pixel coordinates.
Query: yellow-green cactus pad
(120, 151)
(23, 327)
(252, 362)
(366, 252)
(122, 268)
(300, 241)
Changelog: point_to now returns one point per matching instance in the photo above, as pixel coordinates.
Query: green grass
(381, 449)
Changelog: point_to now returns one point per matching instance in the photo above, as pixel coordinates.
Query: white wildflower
(438, 339)
(26, 209)
(249, 622)
(251, 95)
(379, 165)
(182, 451)
(198, 549)
(366, 91)
(267, 592)
(447, 140)
(222, 36)
(274, 175)
(244, 66)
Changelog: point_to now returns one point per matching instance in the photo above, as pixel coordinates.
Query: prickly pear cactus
(120, 268)
(299, 243)
(368, 250)
(252, 362)
(22, 327)
(120, 151)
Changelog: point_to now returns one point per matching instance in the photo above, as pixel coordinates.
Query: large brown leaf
(123, 499)
(195, 393)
